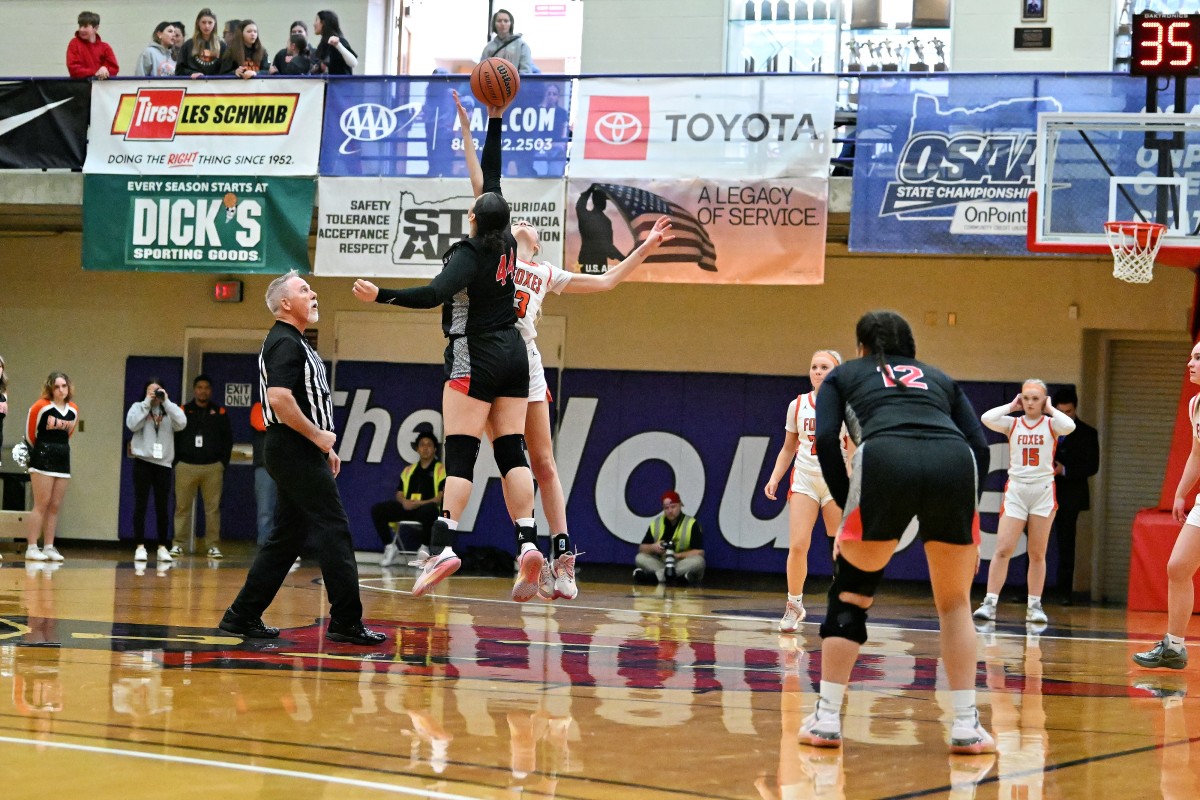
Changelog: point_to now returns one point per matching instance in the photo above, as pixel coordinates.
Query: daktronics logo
(618, 128)
(159, 115)
(155, 114)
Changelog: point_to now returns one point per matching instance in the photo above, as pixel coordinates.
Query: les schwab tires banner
(266, 126)
(205, 223)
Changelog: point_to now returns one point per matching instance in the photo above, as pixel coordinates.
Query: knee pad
(510, 452)
(461, 452)
(845, 620)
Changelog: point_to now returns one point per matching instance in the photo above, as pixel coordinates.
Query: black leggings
(147, 476)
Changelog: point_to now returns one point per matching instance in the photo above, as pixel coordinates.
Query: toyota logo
(618, 127)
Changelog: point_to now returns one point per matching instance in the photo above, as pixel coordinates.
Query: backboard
(1093, 168)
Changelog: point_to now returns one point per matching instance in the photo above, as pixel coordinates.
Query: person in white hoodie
(156, 60)
(154, 420)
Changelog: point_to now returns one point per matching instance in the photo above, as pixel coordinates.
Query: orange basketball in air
(495, 81)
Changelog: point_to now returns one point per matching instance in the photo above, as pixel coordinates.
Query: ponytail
(492, 218)
(885, 333)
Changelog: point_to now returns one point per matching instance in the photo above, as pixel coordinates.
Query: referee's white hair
(277, 289)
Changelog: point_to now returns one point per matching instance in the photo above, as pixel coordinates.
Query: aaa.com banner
(712, 437)
(726, 231)
(202, 224)
(945, 164)
(718, 127)
(43, 124)
(400, 227)
(262, 126)
(409, 127)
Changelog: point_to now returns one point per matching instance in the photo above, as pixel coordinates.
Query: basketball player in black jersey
(487, 371)
(921, 453)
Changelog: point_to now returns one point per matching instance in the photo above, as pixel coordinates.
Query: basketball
(495, 81)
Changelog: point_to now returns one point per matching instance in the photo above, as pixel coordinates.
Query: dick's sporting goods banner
(768, 231)
(401, 227)
(262, 126)
(945, 164)
(43, 124)
(410, 127)
(717, 127)
(208, 223)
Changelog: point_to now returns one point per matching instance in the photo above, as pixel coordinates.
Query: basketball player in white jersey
(1185, 555)
(534, 280)
(1029, 494)
(808, 495)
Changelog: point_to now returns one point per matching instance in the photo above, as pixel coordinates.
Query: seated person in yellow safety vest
(418, 499)
(674, 543)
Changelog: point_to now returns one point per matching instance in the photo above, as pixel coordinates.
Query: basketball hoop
(1134, 246)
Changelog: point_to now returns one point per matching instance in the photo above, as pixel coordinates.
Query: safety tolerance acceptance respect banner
(209, 223)
(263, 126)
(769, 231)
(400, 227)
(721, 127)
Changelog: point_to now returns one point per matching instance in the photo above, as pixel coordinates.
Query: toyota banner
(714, 127)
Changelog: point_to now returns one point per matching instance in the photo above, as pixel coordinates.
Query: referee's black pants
(309, 507)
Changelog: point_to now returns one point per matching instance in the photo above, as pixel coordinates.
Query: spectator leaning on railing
(87, 55)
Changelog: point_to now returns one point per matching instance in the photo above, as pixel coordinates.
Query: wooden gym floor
(114, 683)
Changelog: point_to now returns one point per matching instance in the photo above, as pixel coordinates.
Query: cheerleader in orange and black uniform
(49, 428)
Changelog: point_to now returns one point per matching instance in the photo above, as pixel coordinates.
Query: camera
(160, 394)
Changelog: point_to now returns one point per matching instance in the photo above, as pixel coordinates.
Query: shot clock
(1165, 45)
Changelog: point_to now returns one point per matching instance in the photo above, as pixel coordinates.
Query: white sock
(525, 522)
(832, 695)
(1175, 641)
(450, 523)
(991, 599)
(798, 599)
(525, 548)
(963, 701)
(1034, 600)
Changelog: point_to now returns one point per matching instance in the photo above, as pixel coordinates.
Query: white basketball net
(1134, 246)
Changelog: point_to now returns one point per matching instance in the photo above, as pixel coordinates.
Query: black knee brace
(461, 452)
(510, 452)
(845, 620)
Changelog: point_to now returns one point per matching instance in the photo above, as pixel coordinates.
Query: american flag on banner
(641, 209)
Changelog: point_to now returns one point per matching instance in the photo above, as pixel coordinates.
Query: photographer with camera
(154, 420)
(672, 551)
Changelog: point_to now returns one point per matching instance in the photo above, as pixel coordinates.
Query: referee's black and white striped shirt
(287, 361)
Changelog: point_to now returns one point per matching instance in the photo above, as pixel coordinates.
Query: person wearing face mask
(508, 45)
(154, 420)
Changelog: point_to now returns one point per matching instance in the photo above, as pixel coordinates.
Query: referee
(298, 411)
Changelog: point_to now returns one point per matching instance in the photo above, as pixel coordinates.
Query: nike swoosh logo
(17, 120)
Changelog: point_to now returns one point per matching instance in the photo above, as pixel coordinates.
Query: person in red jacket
(87, 56)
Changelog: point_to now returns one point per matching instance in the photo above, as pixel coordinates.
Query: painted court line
(206, 762)
(366, 584)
